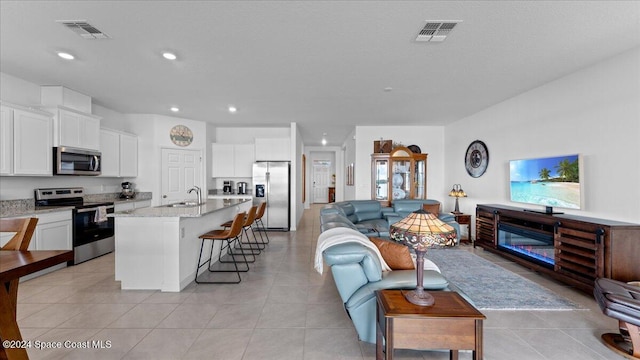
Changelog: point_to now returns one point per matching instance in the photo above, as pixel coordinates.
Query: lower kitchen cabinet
(53, 232)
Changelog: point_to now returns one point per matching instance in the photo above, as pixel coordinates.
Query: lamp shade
(457, 191)
(421, 230)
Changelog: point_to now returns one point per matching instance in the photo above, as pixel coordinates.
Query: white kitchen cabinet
(75, 129)
(272, 149)
(110, 149)
(119, 154)
(232, 160)
(26, 142)
(54, 231)
(128, 155)
(6, 140)
(244, 157)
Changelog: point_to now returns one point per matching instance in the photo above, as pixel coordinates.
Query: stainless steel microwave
(73, 161)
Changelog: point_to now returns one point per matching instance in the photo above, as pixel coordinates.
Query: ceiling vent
(84, 29)
(436, 30)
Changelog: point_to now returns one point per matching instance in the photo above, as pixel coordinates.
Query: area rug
(492, 287)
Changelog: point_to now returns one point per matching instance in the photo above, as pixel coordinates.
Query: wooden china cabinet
(400, 174)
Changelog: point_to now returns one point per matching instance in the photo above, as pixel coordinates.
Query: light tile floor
(282, 310)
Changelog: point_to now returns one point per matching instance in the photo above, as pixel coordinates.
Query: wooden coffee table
(452, 323)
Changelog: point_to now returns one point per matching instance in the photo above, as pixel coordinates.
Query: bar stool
(254, 247)
(229, 236)
(260, 224)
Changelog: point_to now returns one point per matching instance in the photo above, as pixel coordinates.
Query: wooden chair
(23, 228)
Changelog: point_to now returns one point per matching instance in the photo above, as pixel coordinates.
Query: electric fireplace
(527, 243)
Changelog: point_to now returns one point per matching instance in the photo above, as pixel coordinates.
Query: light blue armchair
(358, 274)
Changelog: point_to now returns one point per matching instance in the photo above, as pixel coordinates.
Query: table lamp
(421, 230)
(457, 192)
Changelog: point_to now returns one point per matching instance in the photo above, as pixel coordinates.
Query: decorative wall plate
(181, 135)
(476, 159)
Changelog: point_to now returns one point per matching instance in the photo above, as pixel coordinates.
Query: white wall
(153, 136)
(247, 135)
(18, 91)
(594, 112)
(297, 149)
(430, 139)
(349, 157)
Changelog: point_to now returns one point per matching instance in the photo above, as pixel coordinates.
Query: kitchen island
(157, 247)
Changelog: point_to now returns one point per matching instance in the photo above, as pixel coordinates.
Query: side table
(464, 219)
(451, 323)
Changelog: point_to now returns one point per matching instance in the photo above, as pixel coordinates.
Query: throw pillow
(397, 256)
(432, 208)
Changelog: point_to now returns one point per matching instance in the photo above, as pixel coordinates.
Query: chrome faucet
(198, 191)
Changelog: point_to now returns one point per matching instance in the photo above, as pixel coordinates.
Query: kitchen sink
(183, 204)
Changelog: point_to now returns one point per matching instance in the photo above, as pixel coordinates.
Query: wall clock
(181, 135)
(476, 159)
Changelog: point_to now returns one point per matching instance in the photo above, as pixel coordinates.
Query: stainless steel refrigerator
(271, 184)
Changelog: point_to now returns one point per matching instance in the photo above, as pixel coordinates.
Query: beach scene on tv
(551, 181)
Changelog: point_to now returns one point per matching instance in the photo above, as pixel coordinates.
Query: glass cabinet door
(381, 179)
(419, 179)
(401, 179)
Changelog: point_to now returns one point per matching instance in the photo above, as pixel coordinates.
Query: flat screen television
(550, 181)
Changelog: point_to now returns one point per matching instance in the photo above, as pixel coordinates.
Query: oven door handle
(93, 209)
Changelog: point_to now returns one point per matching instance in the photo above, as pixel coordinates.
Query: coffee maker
(242, 188)
(227, 187)
(128, 192)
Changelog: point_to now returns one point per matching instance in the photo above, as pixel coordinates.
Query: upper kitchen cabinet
(232, 160)
(75, 129)
(119, 154)
(128, 155)
(25, 141)
(273, 149)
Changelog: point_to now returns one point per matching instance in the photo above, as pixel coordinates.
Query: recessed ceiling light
(169, 56)
(388, 89)
(232, 109)
(65, 55)
(174, 109)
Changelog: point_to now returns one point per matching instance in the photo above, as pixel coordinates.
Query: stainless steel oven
(93, 229)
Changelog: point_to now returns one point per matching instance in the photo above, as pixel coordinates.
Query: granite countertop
(26, 207)
(33, 211)
(209, 206)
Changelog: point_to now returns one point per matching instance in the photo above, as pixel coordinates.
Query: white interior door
(321, 180)
(181, 171)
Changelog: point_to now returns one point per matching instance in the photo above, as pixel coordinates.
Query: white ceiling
(321, 64)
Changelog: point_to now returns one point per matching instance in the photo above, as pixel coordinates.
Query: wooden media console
(573, 249)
